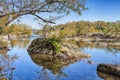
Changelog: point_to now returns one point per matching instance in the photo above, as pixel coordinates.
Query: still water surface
(17, 64)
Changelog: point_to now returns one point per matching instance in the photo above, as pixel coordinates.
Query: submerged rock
(109, 69)
(68, 51)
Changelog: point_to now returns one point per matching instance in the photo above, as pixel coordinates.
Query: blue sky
(106, 10)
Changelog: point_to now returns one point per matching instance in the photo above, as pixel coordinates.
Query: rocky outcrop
(109, 69)
(68, 51)
(41, 46)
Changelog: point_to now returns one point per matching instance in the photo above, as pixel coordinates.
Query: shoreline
(108, 42)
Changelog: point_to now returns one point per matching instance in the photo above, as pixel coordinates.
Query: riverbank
(6, 37)
(106, 42)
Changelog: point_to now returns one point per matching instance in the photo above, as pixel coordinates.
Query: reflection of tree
(51, 67)
(45, 74)
(83, 44)
(112, 50)
(20, 43)
(6, 69)
(3, 43)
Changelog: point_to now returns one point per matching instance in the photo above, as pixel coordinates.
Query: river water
(17, 64)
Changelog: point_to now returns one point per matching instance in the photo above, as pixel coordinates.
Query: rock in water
(40, 45)
(68, 51)
(109, 69)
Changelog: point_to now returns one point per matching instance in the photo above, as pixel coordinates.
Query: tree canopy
(80, 28)
(12, 9)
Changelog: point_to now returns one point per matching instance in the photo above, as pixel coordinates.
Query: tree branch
(42, 18)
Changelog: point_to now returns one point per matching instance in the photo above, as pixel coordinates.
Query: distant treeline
(16, 29)
(85, 27)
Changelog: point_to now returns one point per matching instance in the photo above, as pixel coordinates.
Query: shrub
(55, 42)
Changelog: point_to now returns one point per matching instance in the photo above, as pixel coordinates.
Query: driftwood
(109, 69)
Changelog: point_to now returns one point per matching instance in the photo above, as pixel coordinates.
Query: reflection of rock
(109, 69)
(107, 76)
(68, 51)
(47, 61)
(19, 43)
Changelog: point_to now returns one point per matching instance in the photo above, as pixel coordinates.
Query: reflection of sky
(24, 66)
(104, 55)
(107, 10)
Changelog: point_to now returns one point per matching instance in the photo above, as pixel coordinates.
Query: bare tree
(13, 9)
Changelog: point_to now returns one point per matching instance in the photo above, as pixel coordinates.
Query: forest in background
(71, 29)
(16, 29)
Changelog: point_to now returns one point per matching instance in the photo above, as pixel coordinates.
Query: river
(17, 64)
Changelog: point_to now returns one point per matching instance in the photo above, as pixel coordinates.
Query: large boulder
(109, 69)
(40, 45)
(68, 51)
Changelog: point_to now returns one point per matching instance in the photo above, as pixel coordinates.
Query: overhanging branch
(42, 18)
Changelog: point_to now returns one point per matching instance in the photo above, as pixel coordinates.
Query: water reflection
(50, 65)
(83, 45)
(23, 66)
(19, 43)
(107, 76)
(6, 68)
(3, 43)
(15, 43)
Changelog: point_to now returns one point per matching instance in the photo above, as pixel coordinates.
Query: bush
(55, 42)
